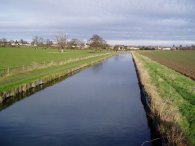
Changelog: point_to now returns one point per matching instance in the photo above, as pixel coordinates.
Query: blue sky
(149, 22)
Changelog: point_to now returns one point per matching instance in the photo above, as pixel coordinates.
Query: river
(99, 106)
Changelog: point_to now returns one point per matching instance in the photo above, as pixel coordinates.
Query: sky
(133, 22)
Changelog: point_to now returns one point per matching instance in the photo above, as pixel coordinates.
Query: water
(100, 106)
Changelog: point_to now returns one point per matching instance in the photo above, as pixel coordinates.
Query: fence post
(23, 68)
(7, 70)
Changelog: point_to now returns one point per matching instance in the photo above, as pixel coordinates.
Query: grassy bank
(172, 99)
(21, 81)
(17, 60)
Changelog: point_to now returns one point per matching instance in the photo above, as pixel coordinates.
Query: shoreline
(153, 122)
(26, 87)
(159, 126)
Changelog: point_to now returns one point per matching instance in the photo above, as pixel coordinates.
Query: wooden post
(8, 71)
(23, 68)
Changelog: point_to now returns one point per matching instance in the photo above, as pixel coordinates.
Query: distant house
(55, 44)
(14, 43)
(166, 48)
(118, 47)
(86, 46)
(134, 48)
(158, 48)
(27, 44)
(173, 48)
(121, 47)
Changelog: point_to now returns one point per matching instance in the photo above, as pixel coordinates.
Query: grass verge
(172, 98)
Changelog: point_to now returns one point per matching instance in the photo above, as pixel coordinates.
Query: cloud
(166, 20)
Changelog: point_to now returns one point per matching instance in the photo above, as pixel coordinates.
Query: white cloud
(122, 20)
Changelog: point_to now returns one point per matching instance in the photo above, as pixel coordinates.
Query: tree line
(61, 42)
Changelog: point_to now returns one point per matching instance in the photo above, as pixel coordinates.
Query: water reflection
(11, 100)
(98, 67)
(87, 109)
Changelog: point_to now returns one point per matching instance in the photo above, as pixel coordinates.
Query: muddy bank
(30, 88)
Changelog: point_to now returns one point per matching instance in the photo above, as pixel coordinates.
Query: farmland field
(181, 61)
(14, 57)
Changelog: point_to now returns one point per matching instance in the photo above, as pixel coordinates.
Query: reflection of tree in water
(97, 67)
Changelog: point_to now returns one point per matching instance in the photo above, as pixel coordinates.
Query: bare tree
(3, 42)
(16, 43)
(48, 43)
(37, 41)
(41, 42)
(61, 41)
(97, 42)
(21, 41)
(75, 43)
(12, 43)
(116, 48)
(82, 45)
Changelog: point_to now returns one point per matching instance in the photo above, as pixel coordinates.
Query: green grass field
(173, 94)
(15, 57)
(181, 61)
(17, 60)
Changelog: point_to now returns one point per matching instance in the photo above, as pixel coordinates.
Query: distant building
(166, 49)
(119, 47)
(173, 48)
(158, 48)
(86, 46)
(134, 48)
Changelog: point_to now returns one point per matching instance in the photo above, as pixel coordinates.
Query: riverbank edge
(158, 128)
(26, 87)
(152, 120)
